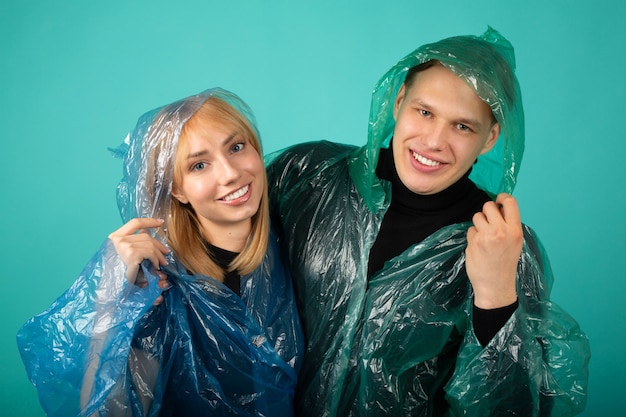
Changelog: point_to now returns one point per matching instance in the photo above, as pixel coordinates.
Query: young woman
(224, 337)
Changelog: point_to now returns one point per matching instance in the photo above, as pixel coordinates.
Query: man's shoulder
(308, 156)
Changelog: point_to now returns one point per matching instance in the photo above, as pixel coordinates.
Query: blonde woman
(223, 338)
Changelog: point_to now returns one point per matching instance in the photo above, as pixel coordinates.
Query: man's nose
(436, 137)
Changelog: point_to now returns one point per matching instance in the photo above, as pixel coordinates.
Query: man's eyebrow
(421, 103)
(475, 123)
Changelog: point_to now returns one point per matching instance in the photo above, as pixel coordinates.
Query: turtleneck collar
(411, 217)
(223, 258)
(220, 256)
(406, 200)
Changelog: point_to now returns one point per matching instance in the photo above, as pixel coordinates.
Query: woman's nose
(227, 171)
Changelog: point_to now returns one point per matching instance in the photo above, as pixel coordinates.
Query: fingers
(505, 209)
(136, 225)
(133, 246)
(162, 284)
(494, 245)
(509, 208)
(158, 301)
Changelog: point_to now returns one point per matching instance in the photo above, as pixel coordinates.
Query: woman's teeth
(240, 192)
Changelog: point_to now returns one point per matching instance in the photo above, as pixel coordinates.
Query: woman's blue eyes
(198, 166)
(236, 148)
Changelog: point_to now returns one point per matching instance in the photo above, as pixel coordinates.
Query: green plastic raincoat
(402, 343)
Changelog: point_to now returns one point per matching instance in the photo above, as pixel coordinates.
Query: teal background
(76, 75)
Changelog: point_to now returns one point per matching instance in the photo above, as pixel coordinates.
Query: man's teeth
(242, 191)
(422, 160)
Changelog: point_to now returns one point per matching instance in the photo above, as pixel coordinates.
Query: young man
(419, 293)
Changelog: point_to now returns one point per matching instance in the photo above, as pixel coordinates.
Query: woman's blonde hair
(184, 231)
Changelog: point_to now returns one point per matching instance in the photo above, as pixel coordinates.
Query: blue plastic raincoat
(203, 351)
(402, 343)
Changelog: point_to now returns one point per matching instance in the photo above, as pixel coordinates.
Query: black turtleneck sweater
(223, 258)
(412, 217)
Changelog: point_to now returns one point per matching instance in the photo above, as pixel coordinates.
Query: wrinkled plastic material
(392, 345)
(487, 65)
(203, 351)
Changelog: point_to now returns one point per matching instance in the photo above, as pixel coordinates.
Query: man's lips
(425, 161)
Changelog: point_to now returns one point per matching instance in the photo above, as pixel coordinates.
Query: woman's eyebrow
(225, 142)
(229, 138)
(197, 154)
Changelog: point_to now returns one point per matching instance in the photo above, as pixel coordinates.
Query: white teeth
(423, 160)
(242, 191)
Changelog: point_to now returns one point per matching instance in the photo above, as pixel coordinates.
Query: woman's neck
(231, 237)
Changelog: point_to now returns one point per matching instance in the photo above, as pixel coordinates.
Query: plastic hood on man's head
(487, 65)
(149, 152)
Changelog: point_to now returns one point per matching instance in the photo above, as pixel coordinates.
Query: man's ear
(494, 134)
(398, 101)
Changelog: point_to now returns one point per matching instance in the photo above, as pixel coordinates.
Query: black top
(412, 217)
(223, 258)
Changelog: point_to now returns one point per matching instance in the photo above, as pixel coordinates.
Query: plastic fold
(104, 349)
(402, 343)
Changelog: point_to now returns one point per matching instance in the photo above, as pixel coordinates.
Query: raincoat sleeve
(403, 341)
(418, 335)
(89, 326)
(103, 347)
(536, 365)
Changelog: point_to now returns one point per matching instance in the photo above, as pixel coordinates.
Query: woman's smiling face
(222, 177)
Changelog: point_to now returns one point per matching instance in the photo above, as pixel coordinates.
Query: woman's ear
(179, 196)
